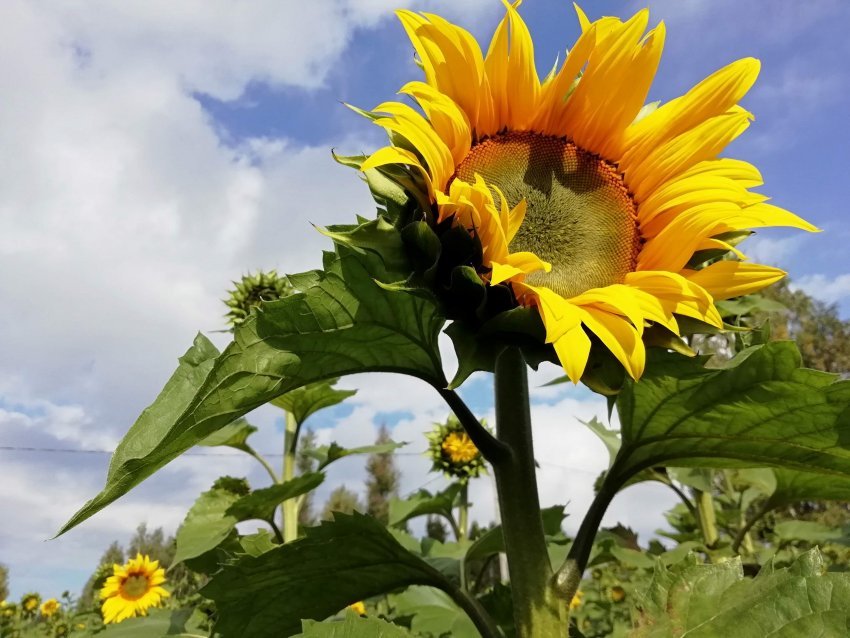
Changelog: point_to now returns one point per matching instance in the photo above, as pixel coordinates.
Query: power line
(62, 450)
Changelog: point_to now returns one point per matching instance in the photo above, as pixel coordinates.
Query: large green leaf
(493, 541)
(336, 564)
(341, 323)
(794, 485)
(759, 409)
(705, 601)
(433, 613)
(261, 504)
(206, 524)
(233, 435)
(353, 626)
(307, 400)
(423, 503)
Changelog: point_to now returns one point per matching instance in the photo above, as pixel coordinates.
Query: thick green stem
(290, 507)
(569, 575)
(706, 517)
(537, 611)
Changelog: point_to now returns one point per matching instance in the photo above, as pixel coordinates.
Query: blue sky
(151, 155)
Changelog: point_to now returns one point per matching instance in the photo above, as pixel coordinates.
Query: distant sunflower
(49, 607)
(588, 205)
(30, 602)
(132, 589)
(453, 452)
(358, 608)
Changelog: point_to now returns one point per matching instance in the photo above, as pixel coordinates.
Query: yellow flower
(453, 452)
(358, 608)
(575, 603)
(459, 447)
(50, 607)
(30, 602)
(132, 589)
(595, 209)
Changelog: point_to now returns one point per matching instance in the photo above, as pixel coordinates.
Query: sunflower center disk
(134, 587)
(580, 216)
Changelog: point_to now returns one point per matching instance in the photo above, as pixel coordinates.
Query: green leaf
(343, 323)
(423, 503)
(206, 525)
(610, 438)
(811, 532)
(327, 454)
(261, 504)
(231, 435)
(696, 477)
(156, 624)
(335, 565)
(793, 485)
(353, 626)
(433, 613)
(705, 601)
(759, 409)
(305, 401)
(493, 542)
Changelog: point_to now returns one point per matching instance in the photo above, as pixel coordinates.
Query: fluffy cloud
(829, 289)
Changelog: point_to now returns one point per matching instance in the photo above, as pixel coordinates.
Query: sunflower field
(535, 219)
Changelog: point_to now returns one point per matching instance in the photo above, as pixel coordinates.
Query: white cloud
(772, 250)
(829, 289)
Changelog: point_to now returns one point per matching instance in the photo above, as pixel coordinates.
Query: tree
(383, 480)
(435, 528)
(341, 500)
(822, 336)
(4, 582)
(153, 544)
(305, 463)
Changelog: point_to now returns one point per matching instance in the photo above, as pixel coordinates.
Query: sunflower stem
(537, 611)
(290, 507)
(463, 513)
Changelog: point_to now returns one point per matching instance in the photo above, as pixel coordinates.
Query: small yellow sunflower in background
(49, 607)
(132, 589)
(576, 601)
(605, 214)
(30, 602)
(358, 608)
(453, 452)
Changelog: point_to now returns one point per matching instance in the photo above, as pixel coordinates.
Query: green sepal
(703, 257)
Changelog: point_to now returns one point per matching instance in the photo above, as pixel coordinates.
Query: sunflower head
(62, 630)
(132, 589)
(358, 608)
(251, 291)
(49, 607)
(562, 213)
(30, 602)
(453, 452)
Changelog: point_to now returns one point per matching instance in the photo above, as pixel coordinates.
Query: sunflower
(453, 452)
(605, 214)
(30, 602)
(358, 608)
(132, 589)
(251, 291)
(49, 607)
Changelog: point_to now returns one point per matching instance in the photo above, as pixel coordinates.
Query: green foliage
(341, 323)
(703, 601)
(352, 626)
(309, 399)
(233, 435)
(748, 412)
(327, 454)
(261, 504)
(432, 613)
(423, 503)
(336, 564)
(4, 582)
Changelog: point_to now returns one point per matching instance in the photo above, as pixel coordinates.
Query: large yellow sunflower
(132, 589)
(590, 205)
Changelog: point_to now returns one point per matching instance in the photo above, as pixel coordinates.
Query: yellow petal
(726, 279)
